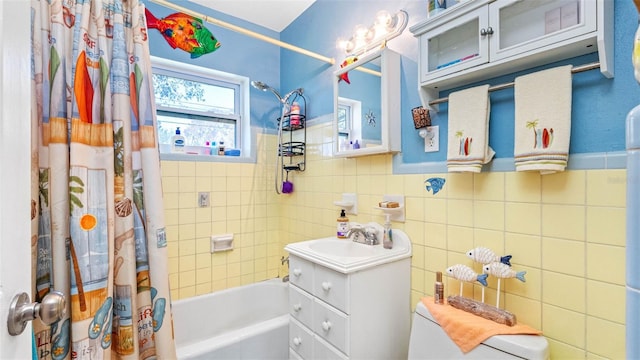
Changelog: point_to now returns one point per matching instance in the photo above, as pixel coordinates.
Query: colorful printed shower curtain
(97, 213)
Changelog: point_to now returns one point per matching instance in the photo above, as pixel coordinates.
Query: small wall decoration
(184, 32)
(348, 61)
(434, 184)
(371, 118)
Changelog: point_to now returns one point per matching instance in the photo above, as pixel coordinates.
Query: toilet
(429, 341)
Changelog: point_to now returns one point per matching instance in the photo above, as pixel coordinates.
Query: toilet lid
(525, 346)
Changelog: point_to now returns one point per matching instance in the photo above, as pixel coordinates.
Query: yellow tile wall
(567, 230)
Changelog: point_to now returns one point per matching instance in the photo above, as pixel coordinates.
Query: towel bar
(576, 69)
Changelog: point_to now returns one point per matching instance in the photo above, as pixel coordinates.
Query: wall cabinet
(480, 39)
(358, 315)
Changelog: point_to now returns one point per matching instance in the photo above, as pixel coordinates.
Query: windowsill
(206, 158)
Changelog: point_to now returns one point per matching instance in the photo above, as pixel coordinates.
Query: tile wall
(566, 230)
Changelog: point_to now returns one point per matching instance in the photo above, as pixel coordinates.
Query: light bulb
(360, 32)
(383, 19)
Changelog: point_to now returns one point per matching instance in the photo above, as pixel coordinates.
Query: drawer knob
(326, 325)
(297, 307)
(297, 341)
(326, 285)
(297, 272)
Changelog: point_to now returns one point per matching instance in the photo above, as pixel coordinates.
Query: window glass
(206, 105)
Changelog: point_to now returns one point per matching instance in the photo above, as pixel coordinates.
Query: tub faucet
(284, 260)
(369, 234)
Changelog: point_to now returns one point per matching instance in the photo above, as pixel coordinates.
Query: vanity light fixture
(385, 27)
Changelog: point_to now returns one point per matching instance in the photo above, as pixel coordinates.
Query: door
(15, 224)
(524, 26)
(456, 45)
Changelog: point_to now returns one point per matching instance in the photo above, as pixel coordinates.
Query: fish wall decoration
(185, 32)
(434, 184)
(345, 75)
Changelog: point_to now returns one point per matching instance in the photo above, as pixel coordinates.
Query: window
(207, 105)
(349, 125)
(344, 120)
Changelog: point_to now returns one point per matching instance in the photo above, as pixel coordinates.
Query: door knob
(52, 308)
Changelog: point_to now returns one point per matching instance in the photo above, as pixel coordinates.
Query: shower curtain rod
(244, 31)
(576, 69)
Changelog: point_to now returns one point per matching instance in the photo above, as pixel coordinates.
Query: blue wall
(239, 54)
(599, 105)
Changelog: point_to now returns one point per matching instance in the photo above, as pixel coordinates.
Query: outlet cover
(432, 140)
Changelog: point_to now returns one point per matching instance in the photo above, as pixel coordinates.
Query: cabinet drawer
(293, 355)
(332, 325)
(300, 339)
(301, 273)
(323, 350)
(331, 286)
(300, 305)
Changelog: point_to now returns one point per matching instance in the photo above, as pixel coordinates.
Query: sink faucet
(369, 234)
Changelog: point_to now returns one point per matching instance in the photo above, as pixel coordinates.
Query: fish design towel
(468, 148)
(543, 120)
(468, 330)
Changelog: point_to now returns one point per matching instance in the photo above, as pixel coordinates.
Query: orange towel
(468, 330)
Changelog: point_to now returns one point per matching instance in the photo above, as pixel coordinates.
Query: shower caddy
(292, 138)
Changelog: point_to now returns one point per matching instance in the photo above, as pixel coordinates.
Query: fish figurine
(184, 32)
(503, 271)
(435, 184)
(484, 255)
(345, 75)
(465, 273)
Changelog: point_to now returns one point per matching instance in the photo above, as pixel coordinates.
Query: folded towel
(468, 330)
(543, 120)
(468, 147)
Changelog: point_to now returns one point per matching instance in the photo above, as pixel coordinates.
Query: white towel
(543, 120)
(468, 147)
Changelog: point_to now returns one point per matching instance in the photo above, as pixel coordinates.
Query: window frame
(354, 115)
(242, 117)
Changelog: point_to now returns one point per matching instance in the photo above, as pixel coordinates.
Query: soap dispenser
(343, 225)
(387, 239)
(177, 142)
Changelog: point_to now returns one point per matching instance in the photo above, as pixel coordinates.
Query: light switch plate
(432, 140)
(203, 199)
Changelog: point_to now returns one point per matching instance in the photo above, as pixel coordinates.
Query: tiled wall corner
(566, 230)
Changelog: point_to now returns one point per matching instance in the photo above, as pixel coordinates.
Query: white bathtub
(247, 322)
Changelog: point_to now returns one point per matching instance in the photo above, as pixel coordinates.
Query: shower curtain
(98, 231)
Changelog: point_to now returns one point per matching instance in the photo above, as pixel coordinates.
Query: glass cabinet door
(522, 26)
(455, 46)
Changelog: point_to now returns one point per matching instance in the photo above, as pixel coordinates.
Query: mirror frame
(390, 104)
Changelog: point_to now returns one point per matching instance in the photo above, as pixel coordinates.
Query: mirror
(367, 105)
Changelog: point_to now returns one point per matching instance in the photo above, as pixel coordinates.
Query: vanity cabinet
(480, 39)
(364, 314)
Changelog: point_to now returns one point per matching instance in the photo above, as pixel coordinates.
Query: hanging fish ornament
(485, 255)
(503, 271)
(184, 32)
(348, 61)
(465, 273)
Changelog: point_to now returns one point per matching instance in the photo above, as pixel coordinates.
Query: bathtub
(247, 322)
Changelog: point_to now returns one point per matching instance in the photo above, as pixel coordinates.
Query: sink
(344, 248)
(346, 256)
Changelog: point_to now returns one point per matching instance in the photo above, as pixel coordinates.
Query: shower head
(264, 87)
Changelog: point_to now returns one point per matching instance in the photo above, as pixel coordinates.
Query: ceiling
(272, 14)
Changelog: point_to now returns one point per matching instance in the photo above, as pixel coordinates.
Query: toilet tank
(429, 341)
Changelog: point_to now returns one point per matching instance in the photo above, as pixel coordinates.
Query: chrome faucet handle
(371, 236)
